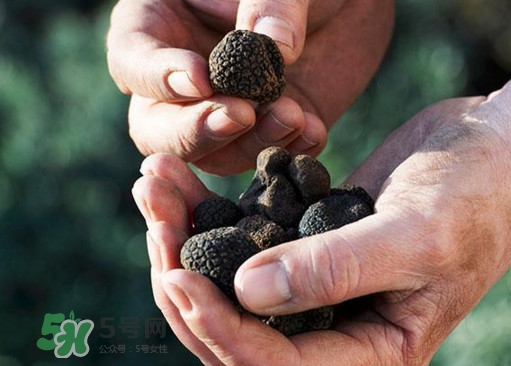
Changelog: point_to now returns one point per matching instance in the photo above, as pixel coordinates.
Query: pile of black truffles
(248, 65)
(288, 198)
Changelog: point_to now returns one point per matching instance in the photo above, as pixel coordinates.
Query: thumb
(285, 21)
(369, 256)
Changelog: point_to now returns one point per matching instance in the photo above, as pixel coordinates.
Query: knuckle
(117, 76)
(436, 241)
(332, 271)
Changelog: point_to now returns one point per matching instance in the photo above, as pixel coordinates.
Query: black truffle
(331, 213)
(283, 187)
(288, 198)
(264, 232)
(307, 321)
(215, 212)
(247, 65)
(353, 190)
(217, 254)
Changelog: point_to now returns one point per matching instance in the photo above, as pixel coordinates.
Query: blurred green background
(71, 237)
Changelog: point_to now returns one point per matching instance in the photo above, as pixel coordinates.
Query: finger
(213, 320)
(313, 138)
(375, 254)
(189, 131)
(141, 60)
(357, 344)
(278, 124)
(160, 200)
(282, 123)
(285, 21)
(164, 243)
(235, 338)
(174, 170)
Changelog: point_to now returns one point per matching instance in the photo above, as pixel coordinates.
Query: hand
(157, 51)
(438, 241)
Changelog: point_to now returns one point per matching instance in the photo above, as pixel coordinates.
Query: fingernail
(277, 29)
(141, 203)
(144, 168)
(302, 144)
(178, 297)
(182, 85)
(264, 287)
(270, 129)
(221, 125)
(153, 248)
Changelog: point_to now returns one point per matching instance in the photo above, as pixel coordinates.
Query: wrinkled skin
(439, 240)
(158, 51)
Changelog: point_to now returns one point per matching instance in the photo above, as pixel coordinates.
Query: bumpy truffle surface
(331, 213)
(247, 65)
(307, 321)
(215, 212)
(352, 190)
(217, 254)
(264, 232)
(288, 198)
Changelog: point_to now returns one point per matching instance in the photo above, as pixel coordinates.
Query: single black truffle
(264, 232)
(307, 321)
(215, 212)
(217, 254)
(331, 213)
(247, 65)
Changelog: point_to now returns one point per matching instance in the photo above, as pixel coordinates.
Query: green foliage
(71, 237)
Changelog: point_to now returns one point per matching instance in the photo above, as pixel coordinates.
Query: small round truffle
(331, 213)
(264, 232)
(215, 212)
(307, 321)
(247, 65)
(217, 254)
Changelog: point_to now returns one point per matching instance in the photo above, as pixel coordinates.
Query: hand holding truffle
(159, 51)
(405, 276)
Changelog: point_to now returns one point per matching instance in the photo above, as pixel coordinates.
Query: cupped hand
(158, 50)
(405, 276)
